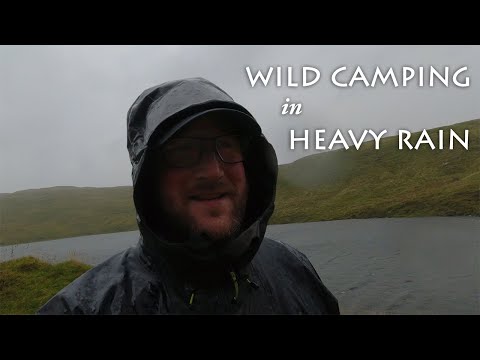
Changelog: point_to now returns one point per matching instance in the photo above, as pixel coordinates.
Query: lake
(373, 266)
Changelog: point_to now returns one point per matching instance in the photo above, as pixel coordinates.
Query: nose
(210, 166)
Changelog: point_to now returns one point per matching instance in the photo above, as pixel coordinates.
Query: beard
(226, 228)
(217, 224)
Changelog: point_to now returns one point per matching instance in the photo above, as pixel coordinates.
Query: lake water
(372, 266)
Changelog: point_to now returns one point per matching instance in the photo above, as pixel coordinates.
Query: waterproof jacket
(248, 274)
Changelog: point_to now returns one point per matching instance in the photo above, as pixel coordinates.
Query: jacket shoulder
(283, 254)
(292, 276)
(94, 291)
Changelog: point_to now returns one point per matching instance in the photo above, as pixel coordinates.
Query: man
(204, 179)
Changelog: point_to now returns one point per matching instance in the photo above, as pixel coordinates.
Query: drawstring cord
(233, 275)
(192, 296)
(234, 278)
(235, 284)
(252, 284)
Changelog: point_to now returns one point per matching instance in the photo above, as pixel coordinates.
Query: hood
(156, 115)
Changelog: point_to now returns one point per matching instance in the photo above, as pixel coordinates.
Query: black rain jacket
(249, 274)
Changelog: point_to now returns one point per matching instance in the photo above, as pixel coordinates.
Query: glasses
(184, 152)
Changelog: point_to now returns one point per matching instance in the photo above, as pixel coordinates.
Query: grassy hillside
(64, 211)
(330, 185)
(383, 183)
(28, 283)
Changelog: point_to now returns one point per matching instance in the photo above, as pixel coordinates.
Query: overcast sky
(63, 108)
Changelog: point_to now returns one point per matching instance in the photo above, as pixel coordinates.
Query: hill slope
(64, 211)
(383, 183)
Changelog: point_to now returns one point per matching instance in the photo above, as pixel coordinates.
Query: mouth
(208, 197)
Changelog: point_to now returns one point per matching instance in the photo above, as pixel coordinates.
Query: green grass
(331, 185)
(28, 283)
(380, 183)
(64, 211)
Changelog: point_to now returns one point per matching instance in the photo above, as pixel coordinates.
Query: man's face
(208, 197)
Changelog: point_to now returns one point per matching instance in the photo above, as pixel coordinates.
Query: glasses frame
(244, 144)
